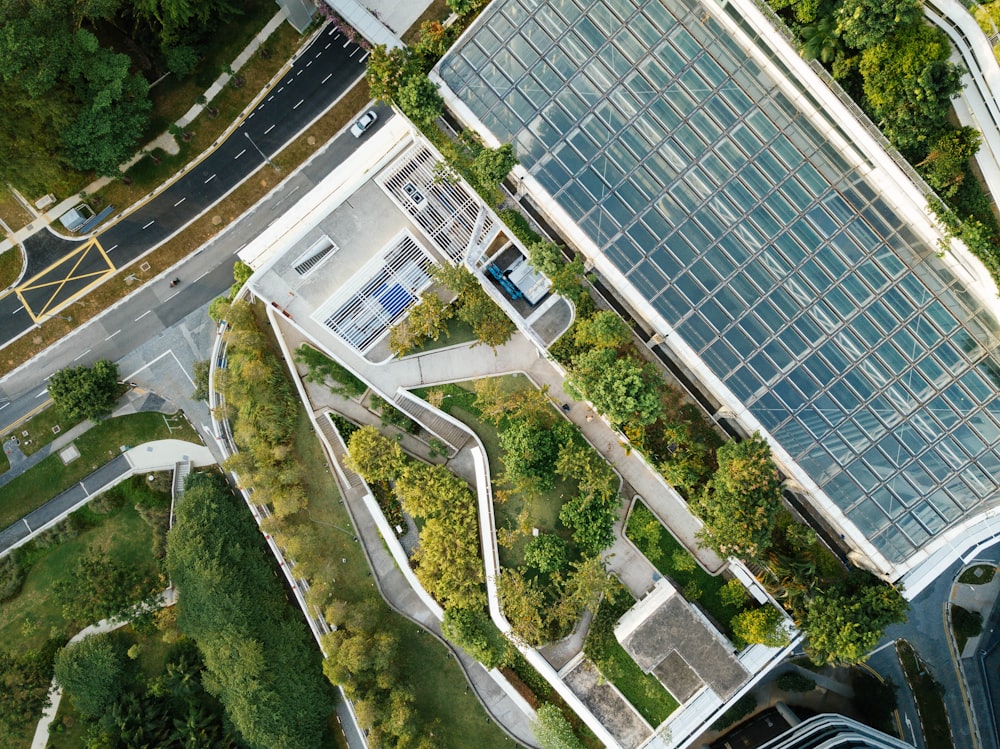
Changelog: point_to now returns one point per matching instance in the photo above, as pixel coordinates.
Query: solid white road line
(347, 44)
(354, 51)
(42, 393)
(179, 202)
(209, 179)
(113, 334)
(171, 296)
(201, 276)
(83, 354)
(113, 246)
(149, 224)
(364, 57)
(4, 405)
(18, 310)
(239, 154)
(241, 247)
(328, 77)
(143, 315)
(269, 130)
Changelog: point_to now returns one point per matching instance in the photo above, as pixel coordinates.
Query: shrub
(12, 574)
(743, 707)
(791, 681)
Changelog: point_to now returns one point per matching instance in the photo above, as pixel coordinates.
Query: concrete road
(319, 75)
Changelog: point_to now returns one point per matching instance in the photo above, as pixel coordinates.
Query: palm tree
(821, 41)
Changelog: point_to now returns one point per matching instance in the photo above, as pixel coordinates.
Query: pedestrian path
(151, 456)
(41, 737)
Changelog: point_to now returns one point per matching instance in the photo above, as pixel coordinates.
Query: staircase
(337, 445)
(181, 471)
(451, 434)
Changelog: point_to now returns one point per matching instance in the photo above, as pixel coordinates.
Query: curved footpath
(151, 456)
(41, 738)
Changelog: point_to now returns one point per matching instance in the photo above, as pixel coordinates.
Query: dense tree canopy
(74, 77)
(553, 731)
(86, 392)
(741, 503)
(844, 622)
(865, 23)
(622, 388)
(259, 658)
(92, 672)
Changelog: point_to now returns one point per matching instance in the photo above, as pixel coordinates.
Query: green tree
(241, 274)
(419, 99)
(733, 594)
(473, 631)
(844, 622)
(646, 531)
(530, 450)
(603, 329)
(524, 604)
(909, 83)
(741, 503)
(760, 626)
(546, 553)
(92, 672)
(375, 457)
(86, 392)
(489, 323)
(491, 165)
(592, 522)
(624, 389)
(259, 658)
(388, 69)
(946, 165)
(546, 257)
(552, 729)
(821, 41)
(865, 23)
(429, 318)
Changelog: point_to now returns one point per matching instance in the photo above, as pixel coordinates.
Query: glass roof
(797, 284)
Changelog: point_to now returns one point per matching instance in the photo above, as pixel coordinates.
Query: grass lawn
(32, 617)
(98, 446)
(662, 557)
(544, 508)
(458, 332)
(26, 621)
(39, 429)
(644, 691)
(429, 666)
(12, 212)
(11, 265)
(978, 575)
(927, 693)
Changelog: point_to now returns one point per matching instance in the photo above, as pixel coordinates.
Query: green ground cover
(978, 575)
(34, 616)
(39, 429)
(663, 556)
(458, 332)
(927, 693)
(644, 691)
(99, 445)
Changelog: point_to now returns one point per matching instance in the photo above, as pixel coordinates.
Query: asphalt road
(924, 629)
(156, 306)
(320, 74)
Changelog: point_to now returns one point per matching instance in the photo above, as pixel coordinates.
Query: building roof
(757, 236)
(668, 637)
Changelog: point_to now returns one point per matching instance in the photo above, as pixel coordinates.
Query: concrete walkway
(389, 578)
(152, 456)
(41, 738)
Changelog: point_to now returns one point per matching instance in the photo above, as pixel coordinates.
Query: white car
(365, 121)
